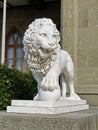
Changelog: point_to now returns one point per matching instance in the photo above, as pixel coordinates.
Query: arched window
(14, 49)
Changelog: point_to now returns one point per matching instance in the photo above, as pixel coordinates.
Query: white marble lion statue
(51, 66)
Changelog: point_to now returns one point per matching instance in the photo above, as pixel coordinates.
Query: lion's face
(45, 39)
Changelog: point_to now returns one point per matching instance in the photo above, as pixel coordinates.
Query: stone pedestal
(81, 120)
(46, 107)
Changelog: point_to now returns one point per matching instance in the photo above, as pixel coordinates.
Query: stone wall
(79, 20)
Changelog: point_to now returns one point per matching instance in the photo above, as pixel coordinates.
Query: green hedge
(15, 85)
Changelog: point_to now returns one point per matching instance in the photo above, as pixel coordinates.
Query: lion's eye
(43, 34)
(53, 36)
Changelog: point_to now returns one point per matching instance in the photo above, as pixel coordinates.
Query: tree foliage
(15, 85)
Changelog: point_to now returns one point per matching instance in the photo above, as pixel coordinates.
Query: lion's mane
(35, 62)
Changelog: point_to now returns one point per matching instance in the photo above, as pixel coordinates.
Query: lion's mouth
(43, 52)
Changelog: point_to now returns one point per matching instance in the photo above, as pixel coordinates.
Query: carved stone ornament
(51, 66)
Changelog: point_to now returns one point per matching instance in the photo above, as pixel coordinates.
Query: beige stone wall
(80, 38)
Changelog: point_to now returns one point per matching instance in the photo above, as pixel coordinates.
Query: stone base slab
(46, 107)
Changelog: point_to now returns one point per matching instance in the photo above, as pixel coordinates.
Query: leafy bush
(15, 85)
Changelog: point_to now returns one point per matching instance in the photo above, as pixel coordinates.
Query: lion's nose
(38, 40)
(39, 44)
(50, 43)
(50, 40)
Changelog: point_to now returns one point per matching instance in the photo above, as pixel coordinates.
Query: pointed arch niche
(14, 49)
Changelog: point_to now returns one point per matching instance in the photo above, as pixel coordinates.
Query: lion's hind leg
(63, 85)
(70, 81)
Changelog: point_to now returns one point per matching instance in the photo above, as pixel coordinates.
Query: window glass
(19, 64)
(10, 53)
(11, 41)
(19, 52)
(19, 40)
(10, 63)
(15, 34)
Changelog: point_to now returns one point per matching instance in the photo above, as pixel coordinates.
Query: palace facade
(77, 21)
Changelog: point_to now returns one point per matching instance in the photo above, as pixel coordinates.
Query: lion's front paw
(50, 82)
(36, 98)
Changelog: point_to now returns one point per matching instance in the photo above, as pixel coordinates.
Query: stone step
(45, 107)
(31, 103)
(43, 110)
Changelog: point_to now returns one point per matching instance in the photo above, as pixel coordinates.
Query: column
(3, 33)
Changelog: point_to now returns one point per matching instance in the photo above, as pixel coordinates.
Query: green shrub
(15, 85)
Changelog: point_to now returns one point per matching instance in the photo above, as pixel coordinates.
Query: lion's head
(41, 44)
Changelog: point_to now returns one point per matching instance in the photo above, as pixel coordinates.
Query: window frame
(14, 46)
